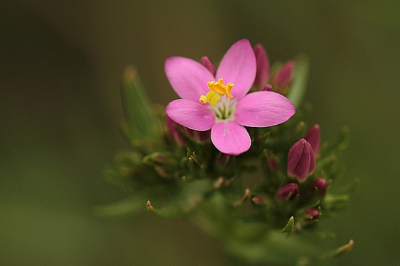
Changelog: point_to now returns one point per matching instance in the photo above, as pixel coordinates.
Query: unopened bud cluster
(295, 180)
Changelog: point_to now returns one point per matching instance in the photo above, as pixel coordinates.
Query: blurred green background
(60, 67)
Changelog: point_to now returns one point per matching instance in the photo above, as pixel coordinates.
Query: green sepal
(289, 227)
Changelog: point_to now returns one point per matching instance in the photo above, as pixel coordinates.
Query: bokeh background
(60, 66)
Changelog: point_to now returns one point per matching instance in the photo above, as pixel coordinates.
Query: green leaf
(140, 118)
(130, 205)
(300, 76)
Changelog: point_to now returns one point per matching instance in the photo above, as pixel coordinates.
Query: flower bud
(173, 130)
(313, 214)
(272, 163)
(284, 75)
(314, 138)
(267, 87)
(258, 200)
(224, 159)
(263, 67)
(208, 64)
(289, 191)
(321, 185)
(199, 136)
(301, 160)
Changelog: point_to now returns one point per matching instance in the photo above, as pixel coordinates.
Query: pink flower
(221, 102)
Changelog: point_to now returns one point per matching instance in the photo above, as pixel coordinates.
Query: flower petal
(187, 77)
(230, 137)
(263, 109)
(239, 67)
(190, 114)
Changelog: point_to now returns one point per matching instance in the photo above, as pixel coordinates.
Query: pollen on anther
(220, 88)
(203, 99)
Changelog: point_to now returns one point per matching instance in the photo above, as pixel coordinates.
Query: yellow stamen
(212, 98)
(217, 89)
(203, 99)
(220, 88)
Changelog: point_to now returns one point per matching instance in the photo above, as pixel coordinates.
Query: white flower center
(224, 109)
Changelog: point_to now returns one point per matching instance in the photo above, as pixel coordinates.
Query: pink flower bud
(199, 136)
(224, 159)
(173, 130)
(267, 87)
(314, 138)
(272, 163)
(313, 213)
(290, 190)
(284, 75)
(263, 67)
(301, 160)
(321, 185)
(208, 64)
(258, 200)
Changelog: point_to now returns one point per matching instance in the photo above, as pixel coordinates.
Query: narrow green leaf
(137, 107)
(300, 76)
(130, 205)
